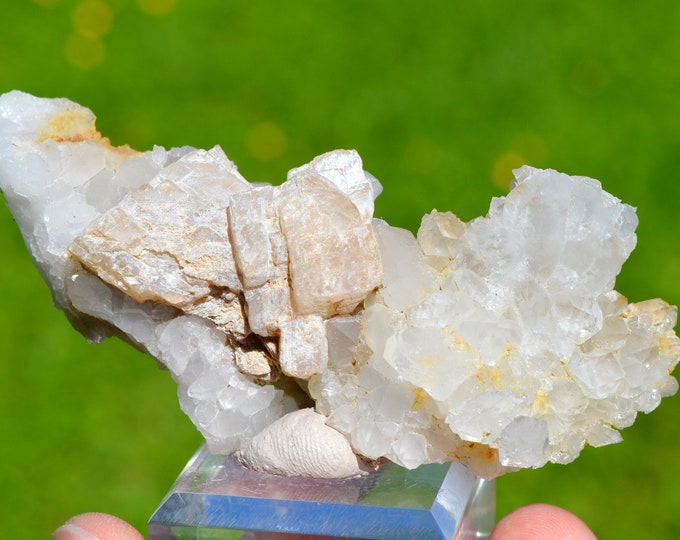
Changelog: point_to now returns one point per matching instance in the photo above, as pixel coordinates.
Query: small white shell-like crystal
(301, 444)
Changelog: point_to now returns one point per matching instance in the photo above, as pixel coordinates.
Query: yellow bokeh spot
(501, 172)
(157, 7)
(266, 141)
(84, 52)
(92, 18)
(140, 128)
(531, 146)
(422, 155)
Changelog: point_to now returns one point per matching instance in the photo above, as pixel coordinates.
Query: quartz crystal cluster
(287, 313)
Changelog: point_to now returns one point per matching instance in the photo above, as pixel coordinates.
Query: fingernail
(69, 531)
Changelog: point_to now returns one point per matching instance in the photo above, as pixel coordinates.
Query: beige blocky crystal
(499, 342)
(333, 256)
(303, 345)
(167, 240)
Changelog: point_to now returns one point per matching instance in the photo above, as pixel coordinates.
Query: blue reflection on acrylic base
(216, 498)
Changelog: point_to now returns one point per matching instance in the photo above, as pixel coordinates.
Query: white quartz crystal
(505, 333)
(499, 343)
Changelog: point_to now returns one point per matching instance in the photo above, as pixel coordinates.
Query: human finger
(96, 526)
(541, 522)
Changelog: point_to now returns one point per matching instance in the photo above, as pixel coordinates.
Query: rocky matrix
(499, 342)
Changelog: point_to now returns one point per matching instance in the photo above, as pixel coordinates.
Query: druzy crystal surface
(499, 343)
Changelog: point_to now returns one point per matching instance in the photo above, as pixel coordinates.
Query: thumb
(96, 526)
(541, 522)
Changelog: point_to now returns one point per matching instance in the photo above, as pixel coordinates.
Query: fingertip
(96, 526)
(541, 522)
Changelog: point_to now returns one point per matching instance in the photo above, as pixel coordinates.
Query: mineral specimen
(499, 342)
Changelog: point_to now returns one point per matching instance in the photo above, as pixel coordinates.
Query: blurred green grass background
(441, 98)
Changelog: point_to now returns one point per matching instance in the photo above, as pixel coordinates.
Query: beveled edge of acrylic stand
(216, 493)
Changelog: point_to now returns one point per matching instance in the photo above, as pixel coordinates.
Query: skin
(532, 522)
(541, 522)
(96, 526)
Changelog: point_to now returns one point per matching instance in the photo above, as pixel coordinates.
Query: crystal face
(499, 343)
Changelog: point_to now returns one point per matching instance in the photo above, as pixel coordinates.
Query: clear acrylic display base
(216, 497)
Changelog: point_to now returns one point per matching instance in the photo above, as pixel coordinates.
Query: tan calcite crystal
(275, 261)
(167, 241)
(304, 350)
(261, 258)
(330, 248)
